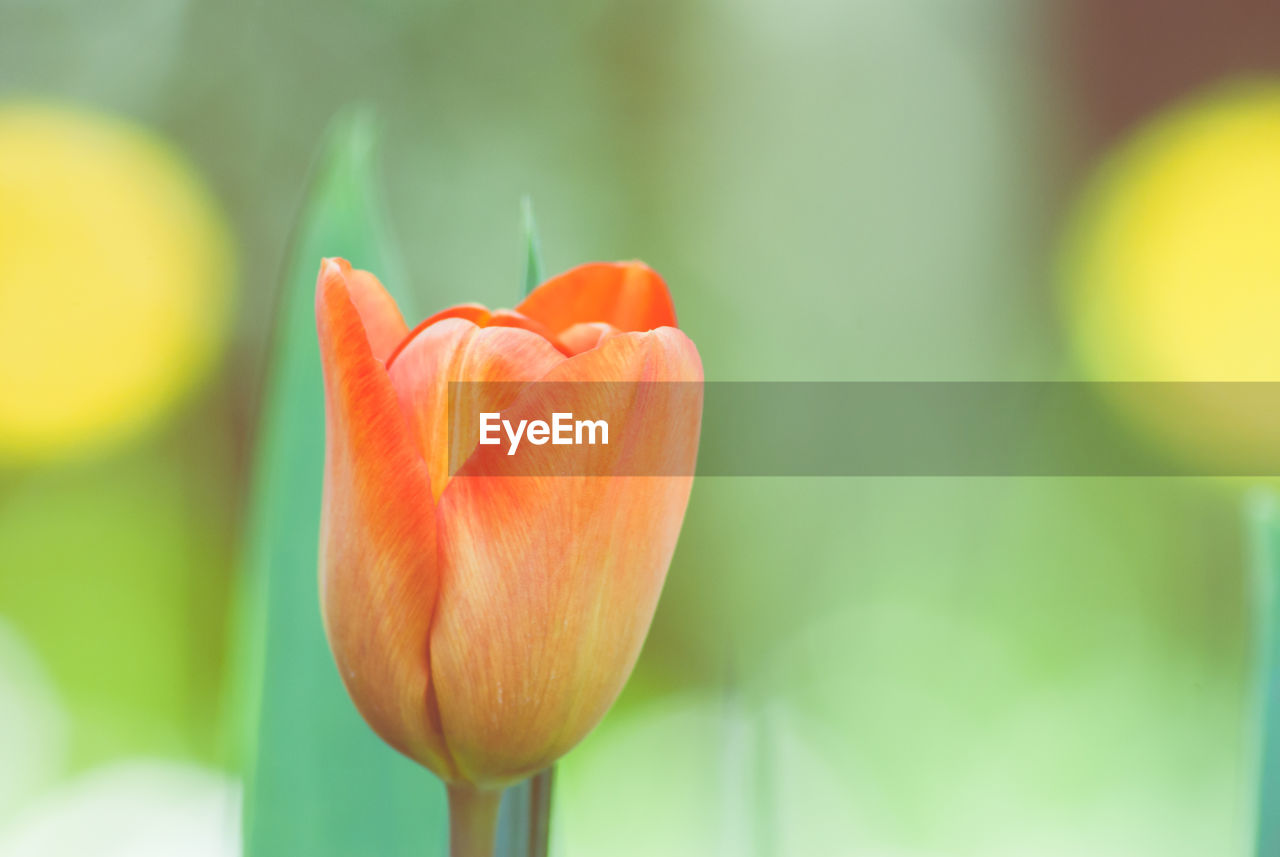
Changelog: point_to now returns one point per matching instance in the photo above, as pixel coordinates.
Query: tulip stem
(540, 812)
(473, 821)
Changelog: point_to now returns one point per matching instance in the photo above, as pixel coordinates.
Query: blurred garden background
(870, 190)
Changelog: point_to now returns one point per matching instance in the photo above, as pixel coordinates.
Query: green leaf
(1265, 556)
(532, 247)
(318, 781)
(525, 815)
(524, 819)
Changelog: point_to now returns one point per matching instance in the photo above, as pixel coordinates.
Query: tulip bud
(484, 620)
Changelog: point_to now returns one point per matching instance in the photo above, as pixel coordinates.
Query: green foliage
(113, 572)
(319, 782)
(533, 266)
(1265, 536)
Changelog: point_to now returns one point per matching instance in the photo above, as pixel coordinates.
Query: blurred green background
(871, 190)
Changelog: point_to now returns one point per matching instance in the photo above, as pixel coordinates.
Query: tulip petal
(549, 582)
(627, 295)
(455, 349)
(481, 316)
(513, 318)
(378, 580)
(586, 335)
(384, 326)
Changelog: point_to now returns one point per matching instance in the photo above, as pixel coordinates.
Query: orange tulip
(483, 622)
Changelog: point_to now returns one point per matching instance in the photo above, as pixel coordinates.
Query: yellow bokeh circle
(1171, 269)
(115, 280)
